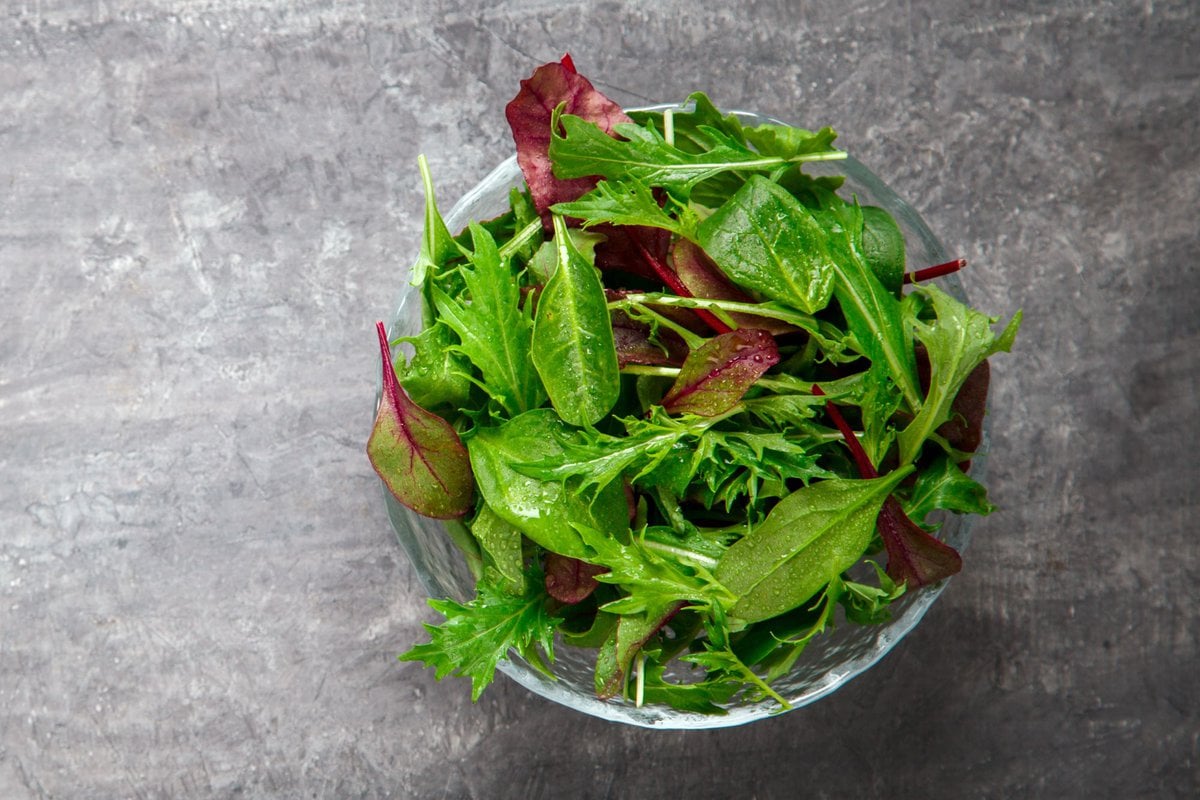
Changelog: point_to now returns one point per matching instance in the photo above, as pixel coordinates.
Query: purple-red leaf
(702, 278)
(716, 375)
(418, 454)
(964, 429)
(914, 557)
(529, 118)
(569, 580)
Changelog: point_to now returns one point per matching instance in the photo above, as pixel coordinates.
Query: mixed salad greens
(676, 403)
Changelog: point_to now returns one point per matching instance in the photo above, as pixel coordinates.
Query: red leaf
(569, 580)
(964, 429)
(417, 453)
(528, 116)
(716, 375)
(633, 343)
(702, 278)
(914, 557)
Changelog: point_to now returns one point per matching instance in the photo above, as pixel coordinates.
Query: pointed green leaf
(809, 538)
(573, 348)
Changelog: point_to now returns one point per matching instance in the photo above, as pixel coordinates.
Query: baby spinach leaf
(883, 247)
(957, 341)
(702, 279)
(573, 347)
(714, 377)
(494, 331)
(417, 454)
(546, 511)
(475, 636)
(809, 538)
(501, 542)
(765, 241)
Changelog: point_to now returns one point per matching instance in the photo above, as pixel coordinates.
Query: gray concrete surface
(205, 206)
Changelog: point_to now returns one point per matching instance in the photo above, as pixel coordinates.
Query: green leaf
(617, 652)
(437, 245)
(765, 241)
(573, 348)
(701, 697)
(625, 202)
(883, 247)
(501, 542)
(809, 538)
(417, 454)
(872, 313)
(957, 340)
(582, 149)
(545, 260)
(723, 660)
(944, 486)
(545, 510)
(475, 636)
(436, 375)
(789, 142)
(495, 333)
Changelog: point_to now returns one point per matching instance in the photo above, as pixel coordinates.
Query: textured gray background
(203, 209)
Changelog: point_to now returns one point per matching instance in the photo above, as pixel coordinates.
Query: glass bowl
(832, 658)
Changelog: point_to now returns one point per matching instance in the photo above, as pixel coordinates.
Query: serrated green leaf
(475, 636)
(943, 485)
(957, 340)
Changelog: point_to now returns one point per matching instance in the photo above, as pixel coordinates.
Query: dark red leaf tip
(568, 63)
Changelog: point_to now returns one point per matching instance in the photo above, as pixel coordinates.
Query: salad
(683, 403)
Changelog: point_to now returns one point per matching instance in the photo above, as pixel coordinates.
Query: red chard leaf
(418, 454)
(702, 278)
(622, 248)
(716, 375)
(914, 557)
(569, 580)
(634, 345)
(529, 118)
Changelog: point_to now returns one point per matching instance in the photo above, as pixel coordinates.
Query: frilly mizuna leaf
(529, 116)
(716, 375)
(417, 454)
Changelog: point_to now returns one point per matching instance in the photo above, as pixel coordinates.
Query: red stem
(937, 271)
(865, 468)
(676, 285)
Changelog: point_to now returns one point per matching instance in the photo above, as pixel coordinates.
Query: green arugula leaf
(495, 332)
(788, 142)
(436, 375)
(723, 660)
(765, 241)
(944, 486)
(627, 202)
(873, 314)
(809, 538)
(956, 341)
(582, 149)
(573, 348)
(475, 636)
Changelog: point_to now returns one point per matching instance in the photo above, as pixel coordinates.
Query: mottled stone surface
(203, 209)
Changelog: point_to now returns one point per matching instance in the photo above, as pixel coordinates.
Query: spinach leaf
(765, 241)
(547, 511)
(573, 348)
(809, 538)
